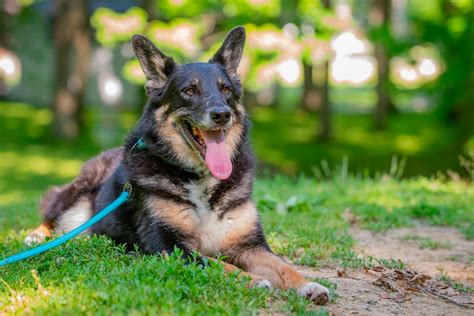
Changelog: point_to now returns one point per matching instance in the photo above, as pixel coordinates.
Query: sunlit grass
(39, 164)
(304, 219)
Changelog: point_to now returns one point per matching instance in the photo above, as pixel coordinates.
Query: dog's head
(195, 107)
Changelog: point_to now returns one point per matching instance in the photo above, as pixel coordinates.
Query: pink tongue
(217, 157)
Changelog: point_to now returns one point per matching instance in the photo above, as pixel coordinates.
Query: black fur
(190, 93)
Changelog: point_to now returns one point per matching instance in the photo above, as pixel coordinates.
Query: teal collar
(140, 144)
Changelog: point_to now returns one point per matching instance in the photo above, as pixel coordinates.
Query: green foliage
(132, 72)
(429, 10)
(113, 28)
(171, 9)
(317, 15)
(451, 28)
(179, 38)
(252, 9)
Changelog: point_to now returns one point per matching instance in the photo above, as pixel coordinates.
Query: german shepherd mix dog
(192, 181)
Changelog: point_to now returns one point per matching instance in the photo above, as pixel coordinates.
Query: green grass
(305, 219)
(91, 274)
(288, 141)
(428, 243)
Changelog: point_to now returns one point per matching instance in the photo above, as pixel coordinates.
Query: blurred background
(369, 86)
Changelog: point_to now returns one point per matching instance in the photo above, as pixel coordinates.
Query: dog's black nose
(220, 116)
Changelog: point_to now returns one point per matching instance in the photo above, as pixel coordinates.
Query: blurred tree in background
(323, 78)
(72, 47)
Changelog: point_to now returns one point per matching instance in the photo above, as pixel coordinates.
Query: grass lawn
(305, 219)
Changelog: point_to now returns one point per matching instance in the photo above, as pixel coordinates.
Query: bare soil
(448, 253)
(454, 257)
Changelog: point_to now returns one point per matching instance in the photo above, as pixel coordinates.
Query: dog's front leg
(255, 280)
(282, 275)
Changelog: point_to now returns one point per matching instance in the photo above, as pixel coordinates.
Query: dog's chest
(204, 229)
(209, 229)
(199, 193)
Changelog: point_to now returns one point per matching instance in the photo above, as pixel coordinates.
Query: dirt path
(357, 295)
(428, 250)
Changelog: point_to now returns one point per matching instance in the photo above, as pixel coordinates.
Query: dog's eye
(225, 90)
(189, 91)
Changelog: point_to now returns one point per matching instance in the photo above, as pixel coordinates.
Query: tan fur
(271, 267)
(210, 236)
(207, 233)
(174, 214)
(45, 228)
(233, 137)
(238, 224)
(235, 132)
(230, 268)
(167, 128)
(267, 266)
(39, 234)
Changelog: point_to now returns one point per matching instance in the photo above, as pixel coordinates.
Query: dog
(192, 174)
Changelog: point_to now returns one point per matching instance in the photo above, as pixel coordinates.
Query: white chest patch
(208, 234)
(210, 230)
(199, 195)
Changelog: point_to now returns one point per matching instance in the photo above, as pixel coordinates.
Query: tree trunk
(384, 106)
(326, 112)
(249, 100)
(151, 8)
(3, 27)
(3, 44)
(383, 101)
(311, 92)
(71, 32)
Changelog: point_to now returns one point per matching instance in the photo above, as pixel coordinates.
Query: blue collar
(141, 145)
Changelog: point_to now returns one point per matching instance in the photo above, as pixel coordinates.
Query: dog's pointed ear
(230, 52)
(156, 65)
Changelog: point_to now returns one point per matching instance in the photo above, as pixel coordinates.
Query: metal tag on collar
(127, 187)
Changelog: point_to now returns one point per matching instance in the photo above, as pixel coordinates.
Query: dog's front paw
(35, 237)
(314, 292)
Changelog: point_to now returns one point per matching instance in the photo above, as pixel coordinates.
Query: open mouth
(194, 136)
(210, 144)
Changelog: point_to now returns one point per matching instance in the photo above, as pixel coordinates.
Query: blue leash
(127, 190)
